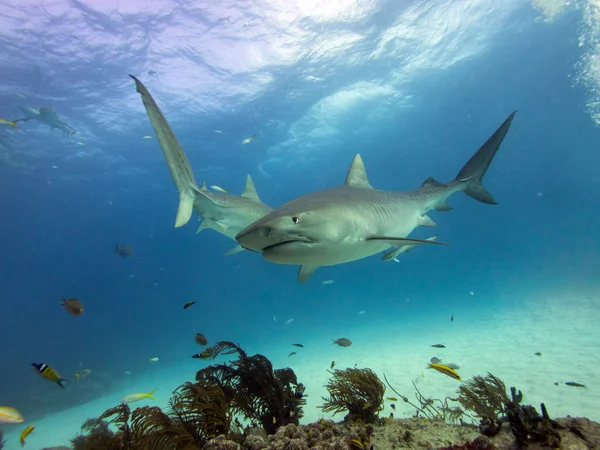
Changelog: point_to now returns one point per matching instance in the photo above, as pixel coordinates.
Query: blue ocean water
(415, 87)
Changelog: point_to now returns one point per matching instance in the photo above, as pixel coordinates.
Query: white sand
(564, 327)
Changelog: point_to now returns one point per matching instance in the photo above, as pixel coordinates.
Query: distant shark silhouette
(46, 116)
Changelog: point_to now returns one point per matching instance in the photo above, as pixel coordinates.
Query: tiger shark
(353, 221)
(229, 214)
(225, 213)
(46, 116)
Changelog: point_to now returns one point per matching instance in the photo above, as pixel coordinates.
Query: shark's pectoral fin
(184, 211)
(426, 221)
(397, 242)
(305, 272)
(235, 250)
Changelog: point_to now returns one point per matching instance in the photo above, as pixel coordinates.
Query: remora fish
(354, 221)
(46, 116)
(228, 214)
(392, 255)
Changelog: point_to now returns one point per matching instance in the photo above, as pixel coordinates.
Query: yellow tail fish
(49, 373)
(137, 396)
(445, 370)
(26, 432)
(9, 122)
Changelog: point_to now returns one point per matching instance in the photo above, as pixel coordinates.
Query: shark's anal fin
(443, 207)
(396, 242)
(357, 175)
(305, 272)
(235, 250)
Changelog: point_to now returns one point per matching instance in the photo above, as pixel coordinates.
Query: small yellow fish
(49, 373)
(9, 122)
(326, 282)
(155, 359)
(147, 137)
(80, 143)
(137, 396)
(332, 364)
(358, 443)
(26, 432)
(274, 419)
(392, 399)
(248, 140)
(445, 370)
(10, 415)
(218, 188)
(367, 405)
(82, 374)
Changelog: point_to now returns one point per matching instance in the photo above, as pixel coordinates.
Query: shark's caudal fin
(473, 171)
(180, 168)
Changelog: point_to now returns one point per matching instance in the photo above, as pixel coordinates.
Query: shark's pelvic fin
(235, 250)
(250, 190)
(305, 272)
(180, 168)
(475, 168)
(426, 221)
(398, 242)
(357, 175)
(212, 224)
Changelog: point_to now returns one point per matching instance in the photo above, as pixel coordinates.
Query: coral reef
(198, 413)
(358, 391)
(488, 399)
(202, 411)
(255, 390)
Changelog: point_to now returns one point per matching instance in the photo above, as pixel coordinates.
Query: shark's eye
(295, 219)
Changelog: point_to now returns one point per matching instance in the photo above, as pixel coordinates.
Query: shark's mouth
(287, 243)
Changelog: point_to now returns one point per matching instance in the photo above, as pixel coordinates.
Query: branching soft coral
(261, 394)
(486, 397)
(358, 391)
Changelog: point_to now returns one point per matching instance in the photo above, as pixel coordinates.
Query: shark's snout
(255, 238)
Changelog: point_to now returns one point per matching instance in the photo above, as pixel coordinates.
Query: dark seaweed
(254, 389)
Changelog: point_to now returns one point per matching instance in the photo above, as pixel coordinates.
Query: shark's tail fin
(474, 170)
(179, 166)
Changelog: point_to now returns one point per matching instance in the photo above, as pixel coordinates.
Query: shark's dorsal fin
(250, 190)
(203, 187)
(357, 175)
(430, 182)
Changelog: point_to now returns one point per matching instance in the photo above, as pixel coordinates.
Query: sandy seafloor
(562, 325)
